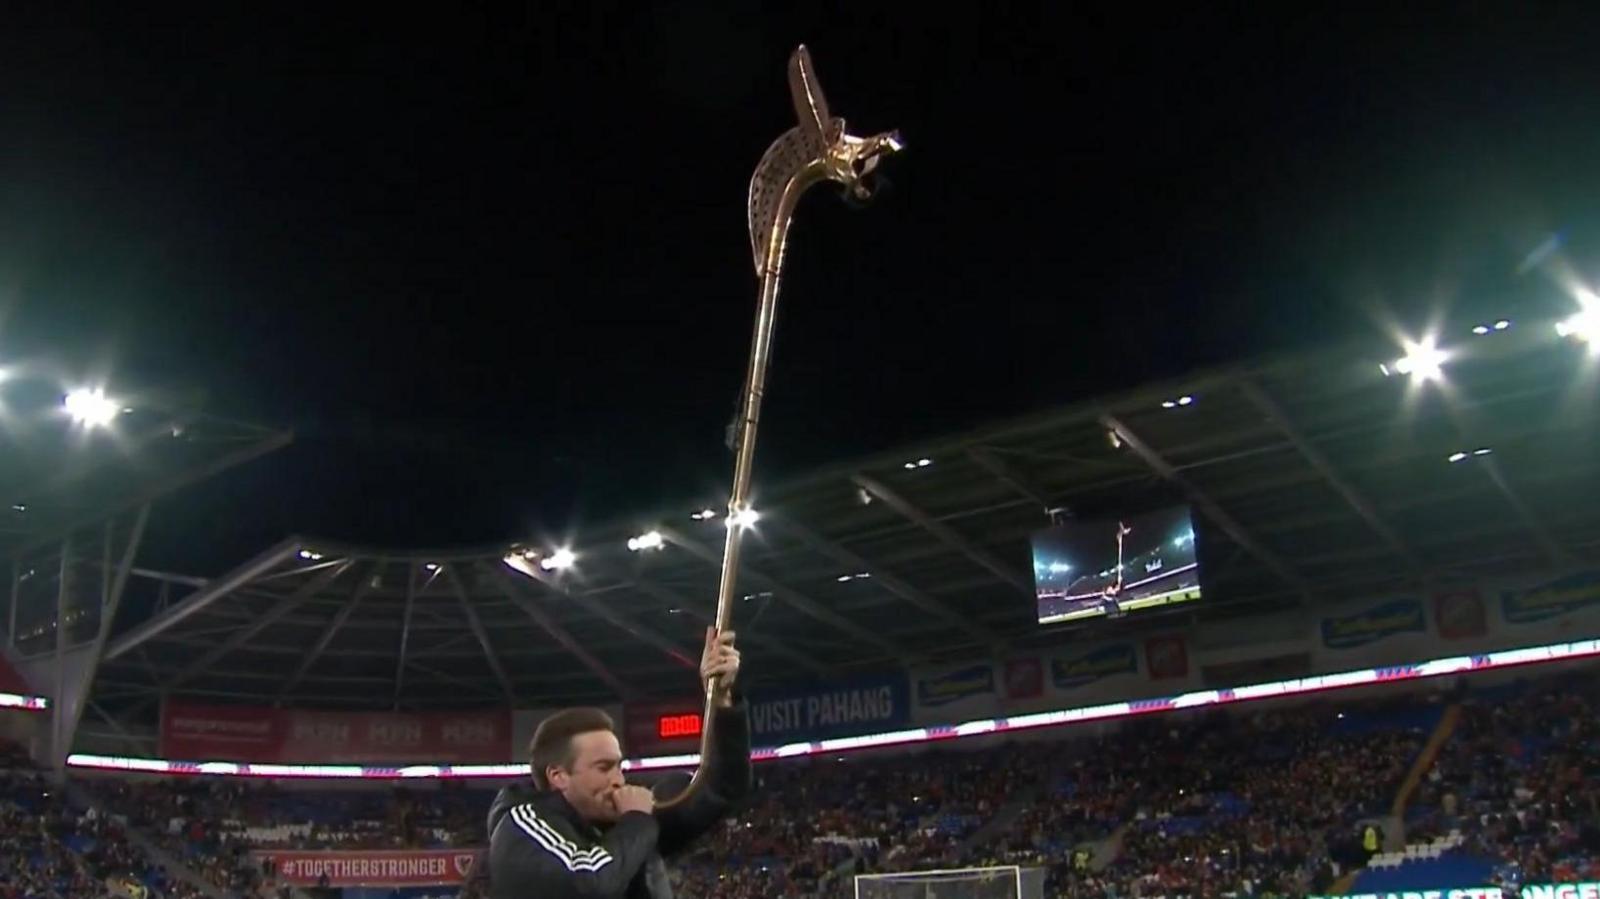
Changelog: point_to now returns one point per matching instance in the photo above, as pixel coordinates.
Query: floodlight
(1585, 326)
(1423, 361)
(650, 540)
(559, 560)
(91, 407)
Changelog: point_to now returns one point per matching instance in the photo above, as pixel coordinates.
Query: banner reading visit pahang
(861, 706)
(401, 868)
(236, 733)
(864, 705)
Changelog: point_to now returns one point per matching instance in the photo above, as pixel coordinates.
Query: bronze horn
(815, 150)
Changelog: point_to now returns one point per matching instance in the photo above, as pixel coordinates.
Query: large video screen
(1113, 566)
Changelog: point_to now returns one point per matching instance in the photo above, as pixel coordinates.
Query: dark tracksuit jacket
(540, 849)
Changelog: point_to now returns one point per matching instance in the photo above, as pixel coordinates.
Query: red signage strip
(411, 867)
(257, 734)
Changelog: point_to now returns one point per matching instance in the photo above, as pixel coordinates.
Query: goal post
(998, 882)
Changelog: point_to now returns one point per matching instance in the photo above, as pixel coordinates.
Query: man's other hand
(631, 798)
(720, 660)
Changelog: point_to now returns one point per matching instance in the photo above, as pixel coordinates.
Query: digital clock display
(669, 727)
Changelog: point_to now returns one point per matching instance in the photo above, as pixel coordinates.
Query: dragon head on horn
(819, 148)
(845, 158)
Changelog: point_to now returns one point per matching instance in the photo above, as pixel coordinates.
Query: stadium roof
(1314, 478)
(58, 475)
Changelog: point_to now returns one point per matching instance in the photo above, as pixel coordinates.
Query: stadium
(1235, 595)
(1387, 685)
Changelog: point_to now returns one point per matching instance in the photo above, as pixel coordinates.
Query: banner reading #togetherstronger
(240, 733)
(405, 868)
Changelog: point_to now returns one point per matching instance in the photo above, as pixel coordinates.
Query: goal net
(1004, 882)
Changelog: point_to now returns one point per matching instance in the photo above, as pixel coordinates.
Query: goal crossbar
(945, 875)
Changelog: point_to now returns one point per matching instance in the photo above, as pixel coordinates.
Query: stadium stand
(1267, 801)
(1186, 823)
(1511, 800)
(51, 850)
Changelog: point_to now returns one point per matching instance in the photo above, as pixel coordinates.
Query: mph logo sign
(241, 733)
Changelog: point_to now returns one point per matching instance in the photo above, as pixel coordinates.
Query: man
(579, 831)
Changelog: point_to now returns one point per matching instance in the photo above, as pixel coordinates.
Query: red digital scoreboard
(664, 727)
(672, 727)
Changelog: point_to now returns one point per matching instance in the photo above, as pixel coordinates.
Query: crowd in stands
(1520, 781)
(1277, 801)
(51, 849)
(213, 824)
(1280, 817)
(1242, 805)
(888, 813)
(217, 814)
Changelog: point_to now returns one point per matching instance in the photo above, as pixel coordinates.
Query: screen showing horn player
(1113, 566)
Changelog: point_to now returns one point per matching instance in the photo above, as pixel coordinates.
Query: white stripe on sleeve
(551, 841)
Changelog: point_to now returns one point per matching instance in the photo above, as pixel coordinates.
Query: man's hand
(720, 660)
(632, 798)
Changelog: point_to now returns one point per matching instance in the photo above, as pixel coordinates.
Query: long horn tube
(815, 150)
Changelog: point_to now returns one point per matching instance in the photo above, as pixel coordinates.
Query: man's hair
(552, 741)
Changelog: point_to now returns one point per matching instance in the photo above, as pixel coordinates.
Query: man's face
(595, 772)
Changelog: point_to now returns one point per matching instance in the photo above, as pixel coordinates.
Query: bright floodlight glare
(90, 407)
(1482, 451)
(1456, 457)
(704, 515)
(1423, 361)
(562, 558)
(1584, 326)
(1168, 404)
(651, 540)
(1502, 324)
(1480, 330)
(310, 556)
(1185, 400)
(744, 518)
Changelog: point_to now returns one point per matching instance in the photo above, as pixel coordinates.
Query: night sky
(493, 268)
